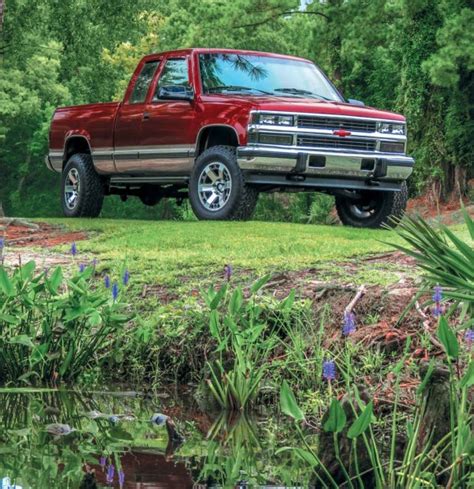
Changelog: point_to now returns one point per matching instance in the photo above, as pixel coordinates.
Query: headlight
(273, 119)
(389, 128)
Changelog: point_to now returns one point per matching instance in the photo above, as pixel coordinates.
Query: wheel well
(216, 136)
(75, 145)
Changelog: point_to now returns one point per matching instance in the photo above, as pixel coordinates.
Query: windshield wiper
(300, 91)
(236, 88)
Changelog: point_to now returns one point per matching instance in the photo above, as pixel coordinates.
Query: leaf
(55, 281)
(468, 220)
(287, 304)
(448, 338)
(21, 339)
(26, 271)
(236, 301)
(468, 378)
(305, 455)
(218, 297)
(5, 283)
(336, 420)
(259, 283)
(288, 403)
(67, 361)
(7, 318)
(214, 324)
(120, 434)
(362, 422)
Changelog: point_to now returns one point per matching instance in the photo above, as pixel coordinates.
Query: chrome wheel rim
(214, 186)
(72, 188)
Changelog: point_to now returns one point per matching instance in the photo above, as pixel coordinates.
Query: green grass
(165, 251)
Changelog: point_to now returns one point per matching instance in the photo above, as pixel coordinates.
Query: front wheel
(374, 209)
(217, 189)
(82, 188)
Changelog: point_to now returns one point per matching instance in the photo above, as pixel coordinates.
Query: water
(218, 450)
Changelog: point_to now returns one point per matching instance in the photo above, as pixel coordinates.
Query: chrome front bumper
(387, 167)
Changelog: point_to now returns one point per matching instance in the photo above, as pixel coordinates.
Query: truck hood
(312, 106)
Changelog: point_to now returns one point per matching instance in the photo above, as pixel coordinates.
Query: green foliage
(336, 420)
(243, 347)
(446, 259)
(52, 328)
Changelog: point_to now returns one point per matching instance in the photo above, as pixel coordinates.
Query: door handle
(146, 116)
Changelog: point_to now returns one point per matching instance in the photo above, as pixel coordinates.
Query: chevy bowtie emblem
(341, 133)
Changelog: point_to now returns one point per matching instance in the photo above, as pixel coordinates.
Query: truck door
(167, 139)
(128, 125)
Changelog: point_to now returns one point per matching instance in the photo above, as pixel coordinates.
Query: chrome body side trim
(138, 180)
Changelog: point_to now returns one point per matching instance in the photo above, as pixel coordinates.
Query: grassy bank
(171, 253)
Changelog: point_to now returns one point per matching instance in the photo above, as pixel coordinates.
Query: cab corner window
(143, 82)
(175, 74)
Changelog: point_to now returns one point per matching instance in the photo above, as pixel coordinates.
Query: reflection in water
(70, 440)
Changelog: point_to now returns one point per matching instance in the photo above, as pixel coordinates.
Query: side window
(175, 73)
(143, 82)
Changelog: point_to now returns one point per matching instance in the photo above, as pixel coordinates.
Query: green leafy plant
(446, 259)
(52, 327)
(243, 346)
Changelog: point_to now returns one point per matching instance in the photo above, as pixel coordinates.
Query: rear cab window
(143, 82)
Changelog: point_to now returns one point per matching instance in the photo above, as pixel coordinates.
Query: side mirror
(175, 92)
(353, 101)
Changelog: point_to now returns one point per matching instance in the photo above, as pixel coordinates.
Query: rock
(159, 419)
(58, 429)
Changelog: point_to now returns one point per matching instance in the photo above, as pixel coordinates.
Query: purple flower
(107, 282)
(125, 277)
(73, 249)
(103, 461)
(349, 324)
(469, 336)
(329, 370)
(437, 298)
(110, 474)
(2, 244)
(121, 478)
(228, 272)
(115, 291)
(438, 294)
(82, 267)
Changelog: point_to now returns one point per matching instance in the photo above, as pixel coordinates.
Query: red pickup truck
(220, 126)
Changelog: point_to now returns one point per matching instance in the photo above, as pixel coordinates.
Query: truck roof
(181, 52)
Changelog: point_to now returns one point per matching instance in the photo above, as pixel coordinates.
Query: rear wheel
(217, 189)
(374, 210)
(82, 188)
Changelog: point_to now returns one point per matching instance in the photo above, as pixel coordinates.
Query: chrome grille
(335, 143)
(312, 122)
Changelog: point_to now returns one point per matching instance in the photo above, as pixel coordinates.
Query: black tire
(241, 199)
(89, 189)
(377, 209)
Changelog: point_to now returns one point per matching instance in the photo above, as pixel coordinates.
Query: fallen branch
(360, 293)
(15, 221)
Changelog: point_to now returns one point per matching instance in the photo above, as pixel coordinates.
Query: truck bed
(94, 121)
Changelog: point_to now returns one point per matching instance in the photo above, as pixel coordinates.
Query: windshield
(263, 75)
